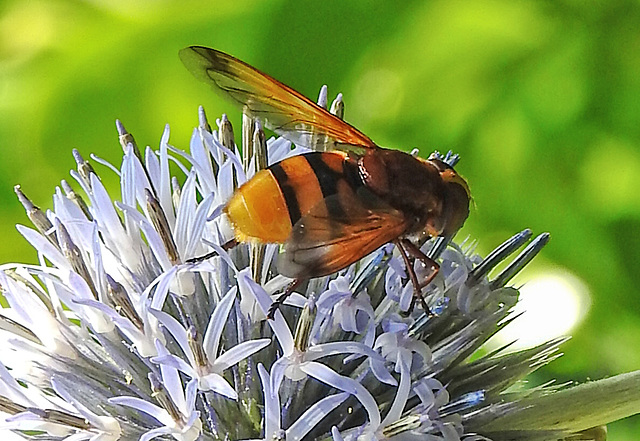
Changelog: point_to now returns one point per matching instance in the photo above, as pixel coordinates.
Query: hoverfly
(335, 205)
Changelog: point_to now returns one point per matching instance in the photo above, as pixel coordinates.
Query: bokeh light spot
(378, 95)
(552, 304)
(26, 28)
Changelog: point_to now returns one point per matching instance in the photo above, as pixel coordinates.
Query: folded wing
(337, 232)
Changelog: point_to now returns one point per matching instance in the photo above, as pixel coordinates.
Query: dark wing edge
(279, 107)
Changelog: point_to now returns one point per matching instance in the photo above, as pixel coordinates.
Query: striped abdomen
(266, 207)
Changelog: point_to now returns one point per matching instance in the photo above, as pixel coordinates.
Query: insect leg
(282, 297)
(225, 246)
(416, 253)
(417, 291)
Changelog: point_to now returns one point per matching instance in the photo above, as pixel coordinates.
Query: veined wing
(279, 107)
(337, 232)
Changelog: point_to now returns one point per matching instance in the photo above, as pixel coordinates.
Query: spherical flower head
(122, 331)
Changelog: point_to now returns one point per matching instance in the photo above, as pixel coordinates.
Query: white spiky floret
(115, 335)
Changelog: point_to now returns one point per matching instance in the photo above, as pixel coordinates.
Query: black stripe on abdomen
(327, 177)
(288, 192)
(328, 181)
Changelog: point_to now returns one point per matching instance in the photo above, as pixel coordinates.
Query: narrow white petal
(278, 149)
(185, 213)
(140, 183)
(120, 321)
(30, 422)
(217, 383)
(271, 405)
(100, 276)
(43, 246)
(211, 340)
(150, 234)
(225, 180)
(278, 369)
(348, 320)
(339, 347)
(25, 307)
(164, 186)
(106, 213)
(335, 433)
(345, 384)
(152, 165)
(210, 145)
(161, 283)
(127, 177)
(181, 154)
(97, 320)
(191, 393)
(233, 159)
(240, 352)
(78, 286)
(66, 209)
(144, 406)
(424, 393)
(202, 163)
(222, 254)
(194, 233)
(104, 162)
(154, 433)
(313, 416)
(278, 324)
(171, 379)
(176, 330)
(176, 363)
(402, 393)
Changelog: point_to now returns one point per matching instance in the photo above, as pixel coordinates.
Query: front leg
(427, 261)
(406, 247)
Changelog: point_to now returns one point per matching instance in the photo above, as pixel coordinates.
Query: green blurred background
(541, 99)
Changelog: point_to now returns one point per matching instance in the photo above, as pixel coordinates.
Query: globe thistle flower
(116, 334)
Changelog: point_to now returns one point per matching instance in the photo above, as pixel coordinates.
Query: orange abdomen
(266, 207)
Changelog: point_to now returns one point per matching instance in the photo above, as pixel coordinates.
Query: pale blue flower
(204, 363)
(304, 424)
(115, 335)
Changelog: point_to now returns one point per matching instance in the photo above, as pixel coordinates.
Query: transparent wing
(279, 107)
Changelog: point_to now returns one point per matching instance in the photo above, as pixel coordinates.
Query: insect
(335, 205)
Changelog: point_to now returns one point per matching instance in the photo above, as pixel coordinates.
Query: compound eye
(456, 207)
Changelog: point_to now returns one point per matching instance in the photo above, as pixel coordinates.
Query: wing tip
(187, 52)
(203, 61)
